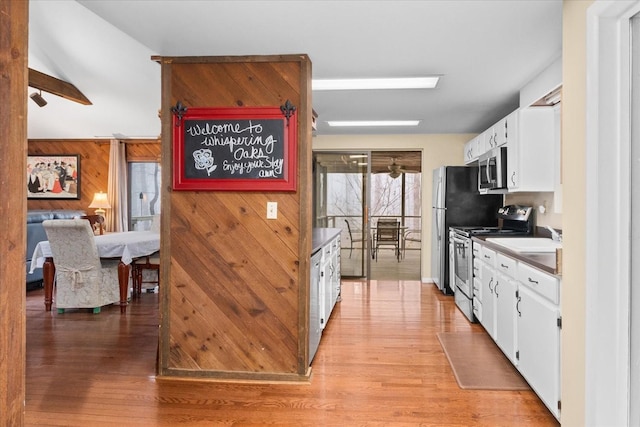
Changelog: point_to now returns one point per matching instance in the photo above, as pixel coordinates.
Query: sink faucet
(557, 237)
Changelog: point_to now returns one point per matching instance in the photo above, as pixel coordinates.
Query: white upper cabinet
(471, 152)
(505, 129)
(531, 151)
(530, 137)
(491, 136)
(496, 135)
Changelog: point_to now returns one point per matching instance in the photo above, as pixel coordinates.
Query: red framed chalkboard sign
(234, 148)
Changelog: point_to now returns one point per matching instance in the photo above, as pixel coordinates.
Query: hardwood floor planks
(379, 364)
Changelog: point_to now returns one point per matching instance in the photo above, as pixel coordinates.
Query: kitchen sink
(526, 244)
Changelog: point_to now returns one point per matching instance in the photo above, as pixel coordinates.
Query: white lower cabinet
(315, 331)
(329, 279)
(337, 274)
(325, 286)
(505, 290)
(477, 298)
(477, 281)
(506, 320)
(539, 342)
(518, 305)
(324, 289)
(487, 291)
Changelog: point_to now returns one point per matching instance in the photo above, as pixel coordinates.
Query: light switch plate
(272, 210)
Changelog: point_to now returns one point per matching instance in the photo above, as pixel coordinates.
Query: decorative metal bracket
(288, 109)
(179, 110)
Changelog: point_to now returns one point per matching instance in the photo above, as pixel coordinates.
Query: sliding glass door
(341, 182)
(353, 191)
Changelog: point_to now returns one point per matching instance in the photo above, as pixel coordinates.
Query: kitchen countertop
(545, 261)
(320, 236)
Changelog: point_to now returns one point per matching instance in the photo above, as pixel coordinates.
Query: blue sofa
(36, 233)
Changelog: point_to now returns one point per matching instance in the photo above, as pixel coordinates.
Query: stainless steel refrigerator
(456, 202)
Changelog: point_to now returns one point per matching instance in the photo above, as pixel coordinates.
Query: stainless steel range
(513, 220)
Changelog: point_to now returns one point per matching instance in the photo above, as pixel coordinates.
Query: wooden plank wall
(94, 166)
(236, 306)
(13, 147)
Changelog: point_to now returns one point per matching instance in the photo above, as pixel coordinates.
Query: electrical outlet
(272, 210)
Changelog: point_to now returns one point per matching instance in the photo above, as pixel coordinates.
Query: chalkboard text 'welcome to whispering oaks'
(234, 148)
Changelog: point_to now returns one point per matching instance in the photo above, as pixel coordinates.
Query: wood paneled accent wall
(94, 169)
(13, 146)
(235, 285)
(94, 165)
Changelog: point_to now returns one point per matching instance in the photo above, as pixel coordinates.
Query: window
(144, 194)
(398, 197)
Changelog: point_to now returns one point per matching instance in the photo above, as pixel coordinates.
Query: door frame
(608, 214)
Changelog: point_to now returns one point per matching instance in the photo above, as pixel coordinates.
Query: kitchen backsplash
(545, 200)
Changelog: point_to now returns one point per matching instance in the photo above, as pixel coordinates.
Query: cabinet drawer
(326, 251)
(477, 309)
(542, 283)
(477, 289)
(506, 265)
(488, 256)
(477, 267)
(335, 245)
(477, 249)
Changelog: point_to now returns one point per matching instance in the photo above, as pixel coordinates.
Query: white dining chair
(83, 279)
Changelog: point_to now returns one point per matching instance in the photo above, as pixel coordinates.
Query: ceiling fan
(395, 169)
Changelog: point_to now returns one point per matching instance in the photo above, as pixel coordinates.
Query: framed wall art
(53, 176)
(236, 148)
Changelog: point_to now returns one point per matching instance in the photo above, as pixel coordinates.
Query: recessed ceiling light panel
(371, 123)
(363, 84)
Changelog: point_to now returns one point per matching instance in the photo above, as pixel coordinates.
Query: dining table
(125, 246)
(402, 229)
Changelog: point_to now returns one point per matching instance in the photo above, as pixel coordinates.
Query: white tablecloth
(126, 246)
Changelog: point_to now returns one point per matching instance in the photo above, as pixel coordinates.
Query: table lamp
(100, 203)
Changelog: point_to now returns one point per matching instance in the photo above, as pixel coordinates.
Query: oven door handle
(457, 242)
(463, 241)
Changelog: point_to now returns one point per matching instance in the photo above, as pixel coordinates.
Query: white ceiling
(485, 51)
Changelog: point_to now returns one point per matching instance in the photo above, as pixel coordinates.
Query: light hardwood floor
(379, 364)
(386, 266)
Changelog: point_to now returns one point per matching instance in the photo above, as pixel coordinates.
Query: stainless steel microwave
(492, 170)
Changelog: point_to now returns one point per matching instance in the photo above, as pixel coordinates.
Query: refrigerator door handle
(438, 234)
(438, 213)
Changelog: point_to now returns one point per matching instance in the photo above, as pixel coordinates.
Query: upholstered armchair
(82, 279)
